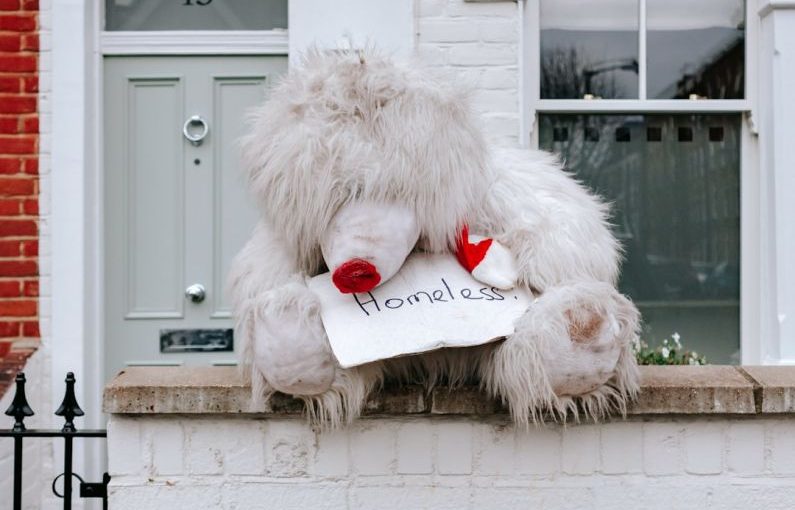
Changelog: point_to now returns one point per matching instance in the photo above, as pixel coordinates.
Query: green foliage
(669, 352)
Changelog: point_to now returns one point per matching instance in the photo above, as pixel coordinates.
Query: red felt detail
(470, 255)
(356, 275)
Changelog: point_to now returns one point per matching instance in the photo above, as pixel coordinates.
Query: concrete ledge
(676, 390)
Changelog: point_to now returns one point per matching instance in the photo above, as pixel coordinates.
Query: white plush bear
(357, 161)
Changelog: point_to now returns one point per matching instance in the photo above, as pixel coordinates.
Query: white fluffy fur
(349, 127)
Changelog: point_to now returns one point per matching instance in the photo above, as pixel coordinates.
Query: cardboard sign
(432, 302)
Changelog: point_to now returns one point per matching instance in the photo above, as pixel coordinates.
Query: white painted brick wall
(178, 463)
(479, 42)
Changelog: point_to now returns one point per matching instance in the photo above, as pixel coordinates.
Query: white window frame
(755, 348)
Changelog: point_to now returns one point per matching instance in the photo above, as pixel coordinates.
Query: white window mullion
(642, 49)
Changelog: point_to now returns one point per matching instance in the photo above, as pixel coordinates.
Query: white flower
(665, 352)
(676, 338)
(692, 361)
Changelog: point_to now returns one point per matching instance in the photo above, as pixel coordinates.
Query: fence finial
(19, 408)
(69, 407)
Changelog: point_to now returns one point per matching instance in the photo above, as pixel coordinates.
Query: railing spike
(19, 408)
(69, 408)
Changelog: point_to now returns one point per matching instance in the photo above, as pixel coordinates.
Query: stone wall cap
(776, 385)
(676, 390)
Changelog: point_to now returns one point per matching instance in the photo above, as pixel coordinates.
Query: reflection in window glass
(195, 14)
(695, 48)
(589, 47)
(674, 182)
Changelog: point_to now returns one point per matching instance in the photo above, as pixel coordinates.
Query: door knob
(196, 293)
(195, 138)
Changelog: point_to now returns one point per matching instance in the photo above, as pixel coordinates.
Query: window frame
(754, 349)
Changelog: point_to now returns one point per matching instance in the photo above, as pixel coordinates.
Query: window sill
(669, 390)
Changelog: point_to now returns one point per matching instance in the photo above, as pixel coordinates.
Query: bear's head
(355, 159)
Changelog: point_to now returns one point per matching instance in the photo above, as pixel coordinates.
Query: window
(644, 101)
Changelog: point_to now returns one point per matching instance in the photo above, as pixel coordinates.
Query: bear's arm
(558, 230)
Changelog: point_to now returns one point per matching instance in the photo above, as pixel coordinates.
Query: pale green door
(176, 209)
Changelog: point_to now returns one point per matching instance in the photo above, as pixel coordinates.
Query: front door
(176, 209)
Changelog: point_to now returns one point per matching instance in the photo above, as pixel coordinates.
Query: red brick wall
(19, 147)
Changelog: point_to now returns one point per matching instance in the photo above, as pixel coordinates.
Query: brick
(482, 55)
(30, 84)
(580, 450)
(10, 42)
(30, 288)
(414, 447)
(9, 125)
(31, 166)
(31, 207)
(31, 329)
(9, 84)
(18, 22)
(781, 436)
(204, 455)
(288, 448)
(18, 63)
(25, 144)
(538, 450)
(447, 31)
(17, 104)
(373, 449)
(622, 448)
(746, 448)
(498, 31)
(10, 289)
(10, 165)
(18, 308)
(10, 207)
(494, 448)
(245, 451)
(10, 248)
(9, 5)
(30, 5)
(429, 8)
(18, 268)
(30, 248)
(404, 498)
(30, 42)
(167, 443)
(14, 228)
(454, 448)
(9, 329)
(331, 456)
(30, 125)
(11, 187)
(124, 438)
(703, 447)
(662, 453)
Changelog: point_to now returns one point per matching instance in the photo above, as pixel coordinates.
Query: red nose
(356, 275)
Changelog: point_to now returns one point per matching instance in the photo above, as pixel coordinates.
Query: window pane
(589, 47)
(195, 14)
(696, 48)
(674, 181)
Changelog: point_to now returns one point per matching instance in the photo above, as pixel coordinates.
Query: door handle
(197, 138)
(196, 293)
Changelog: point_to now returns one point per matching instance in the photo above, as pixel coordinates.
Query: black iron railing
(69, 409)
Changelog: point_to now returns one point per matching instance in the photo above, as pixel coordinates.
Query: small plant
(669, 352)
